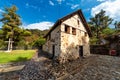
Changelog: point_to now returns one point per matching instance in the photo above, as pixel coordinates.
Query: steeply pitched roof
(59, 21)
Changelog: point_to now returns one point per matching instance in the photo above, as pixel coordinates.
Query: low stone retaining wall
(99, 49)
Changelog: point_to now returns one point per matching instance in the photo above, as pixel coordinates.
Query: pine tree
(99, 22)
(117, 25)
(11, 22)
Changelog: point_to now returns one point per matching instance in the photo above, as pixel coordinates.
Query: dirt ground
(94, 67)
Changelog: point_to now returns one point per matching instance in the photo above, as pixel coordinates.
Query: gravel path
(95, 67)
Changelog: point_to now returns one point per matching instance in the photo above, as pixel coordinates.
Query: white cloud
(31, 6)
(111, 7)
(51, 3)
(72, 6)
(41, 25)
(60, 1)
(104, 0)
(101, 0)
(1, 11)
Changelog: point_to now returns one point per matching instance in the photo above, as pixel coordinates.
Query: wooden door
(53, 51)
(81, 51)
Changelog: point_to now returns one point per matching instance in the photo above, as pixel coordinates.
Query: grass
(16, 55)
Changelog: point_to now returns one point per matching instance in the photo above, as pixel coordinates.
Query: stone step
(12, 68)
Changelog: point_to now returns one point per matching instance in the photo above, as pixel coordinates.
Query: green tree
(107, 31)
(11, 22)
(117, 25)
(1, 33)
(2, 43)
(26, 33)
(99, 22)
(39, 42)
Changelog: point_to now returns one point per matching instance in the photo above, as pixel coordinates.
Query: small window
(73, 31)
(78, 22)
(67, 29)
(85, 33)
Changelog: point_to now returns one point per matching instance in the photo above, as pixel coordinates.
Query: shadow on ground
(44, 54)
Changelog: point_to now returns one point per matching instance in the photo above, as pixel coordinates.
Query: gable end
(79, 12)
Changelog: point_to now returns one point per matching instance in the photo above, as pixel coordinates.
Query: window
(85, 33)
(67, 29)
(73, 31)
(78, 22)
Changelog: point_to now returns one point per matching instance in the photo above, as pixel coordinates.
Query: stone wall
(53, 40)
(70, 43)
(67, 44)
(99, 49)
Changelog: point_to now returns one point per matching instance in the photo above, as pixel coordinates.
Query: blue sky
(42, 14)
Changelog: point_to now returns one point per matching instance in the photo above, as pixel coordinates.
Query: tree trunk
(9, 45)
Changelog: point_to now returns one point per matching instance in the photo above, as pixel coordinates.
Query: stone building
(68, 39)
